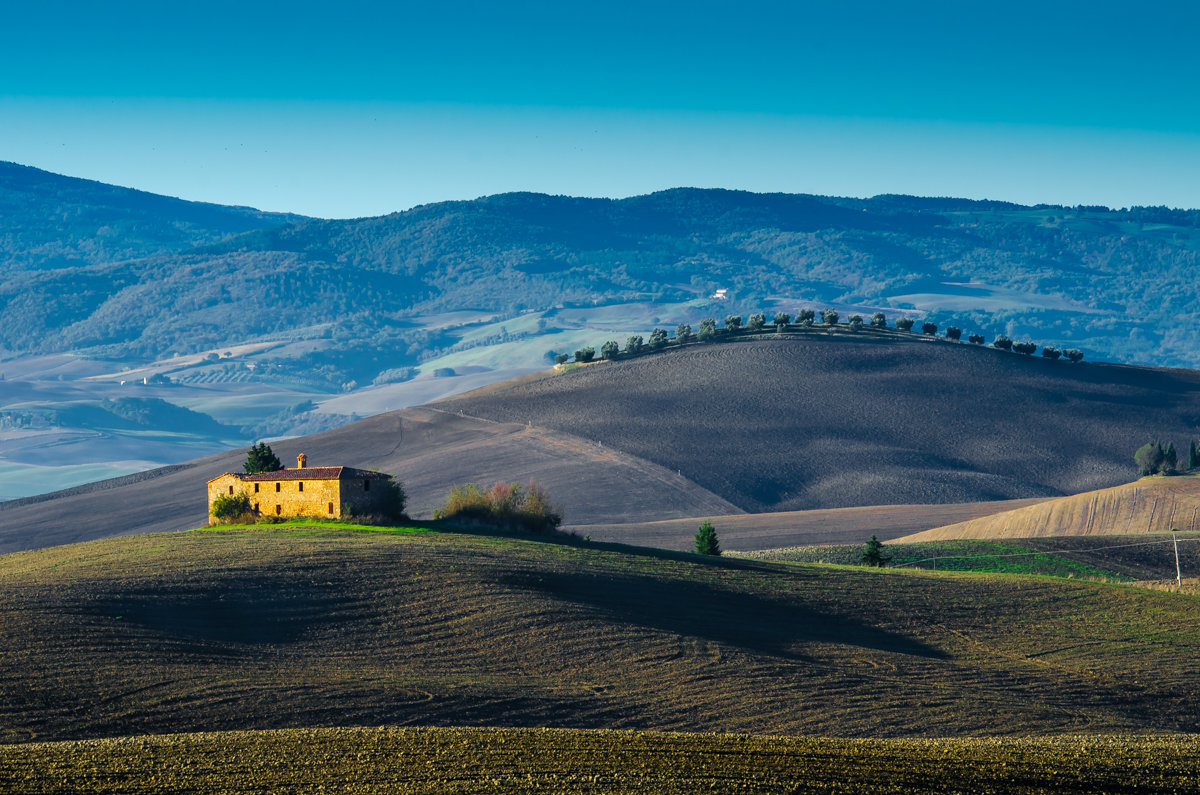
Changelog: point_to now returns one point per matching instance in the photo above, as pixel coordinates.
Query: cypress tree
(706, 540)
(1170, 459)
(873, 555)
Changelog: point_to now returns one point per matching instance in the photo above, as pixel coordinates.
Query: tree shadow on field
(753, 623)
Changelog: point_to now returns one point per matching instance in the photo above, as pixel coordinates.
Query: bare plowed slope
(429, 450)
(759, 531)
(292, 628)
(816, 422)
(1151, 505)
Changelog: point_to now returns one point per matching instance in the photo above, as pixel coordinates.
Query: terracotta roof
(310, 473)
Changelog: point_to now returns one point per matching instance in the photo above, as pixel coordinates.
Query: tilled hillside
(304, 627)
(817, 421)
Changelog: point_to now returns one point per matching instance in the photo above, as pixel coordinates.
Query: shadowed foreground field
(580, 761)
(300, 628)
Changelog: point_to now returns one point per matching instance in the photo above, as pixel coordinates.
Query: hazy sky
(355, 108)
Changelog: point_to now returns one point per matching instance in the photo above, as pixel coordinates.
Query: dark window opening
(366, 485)
(231, 489)
(278, 509)
(331, 507)
(256, 488)
(276, 487)
(301, 485)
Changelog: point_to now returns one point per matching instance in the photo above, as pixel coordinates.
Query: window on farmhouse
(278, 509)
(231, 489)
(276, 487)
(331, 507)
(302, 485)
(256, 488)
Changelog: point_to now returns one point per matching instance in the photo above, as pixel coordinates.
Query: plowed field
(824, 422)
(296, 628)
(573, 761)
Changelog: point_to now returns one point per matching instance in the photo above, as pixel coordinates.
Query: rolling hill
(836, 421)
(293, 627)
(809, 421)
(1149, 505)
(102, 287)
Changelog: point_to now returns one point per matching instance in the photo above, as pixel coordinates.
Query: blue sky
(352, 109)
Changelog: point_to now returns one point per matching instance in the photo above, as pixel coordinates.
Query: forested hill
(48, 221)
(1113, 283)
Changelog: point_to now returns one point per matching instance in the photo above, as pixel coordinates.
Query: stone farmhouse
(328, 492)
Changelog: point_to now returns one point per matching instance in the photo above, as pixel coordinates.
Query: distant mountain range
(90, 267)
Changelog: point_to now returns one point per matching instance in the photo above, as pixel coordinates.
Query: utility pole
(1175, 540)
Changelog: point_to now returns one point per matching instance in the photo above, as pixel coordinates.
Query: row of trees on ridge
(805, 318)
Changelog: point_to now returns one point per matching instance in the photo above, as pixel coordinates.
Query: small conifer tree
(873, 555)
(261, 458)
(1170, 459)
(706, 540)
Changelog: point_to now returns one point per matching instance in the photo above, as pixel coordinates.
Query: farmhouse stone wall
(298, 497)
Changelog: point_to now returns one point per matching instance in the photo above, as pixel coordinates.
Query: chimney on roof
(301, 461)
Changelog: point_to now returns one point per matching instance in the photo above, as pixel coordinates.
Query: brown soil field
(757, 531)
(812, 422)
(455, 760)
(302, 628)
(1150, 505)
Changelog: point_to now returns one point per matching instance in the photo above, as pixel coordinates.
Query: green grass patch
(991, 557)
(318, 526)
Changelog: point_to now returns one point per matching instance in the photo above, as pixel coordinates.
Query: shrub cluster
(507, 505)
(231, 509)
